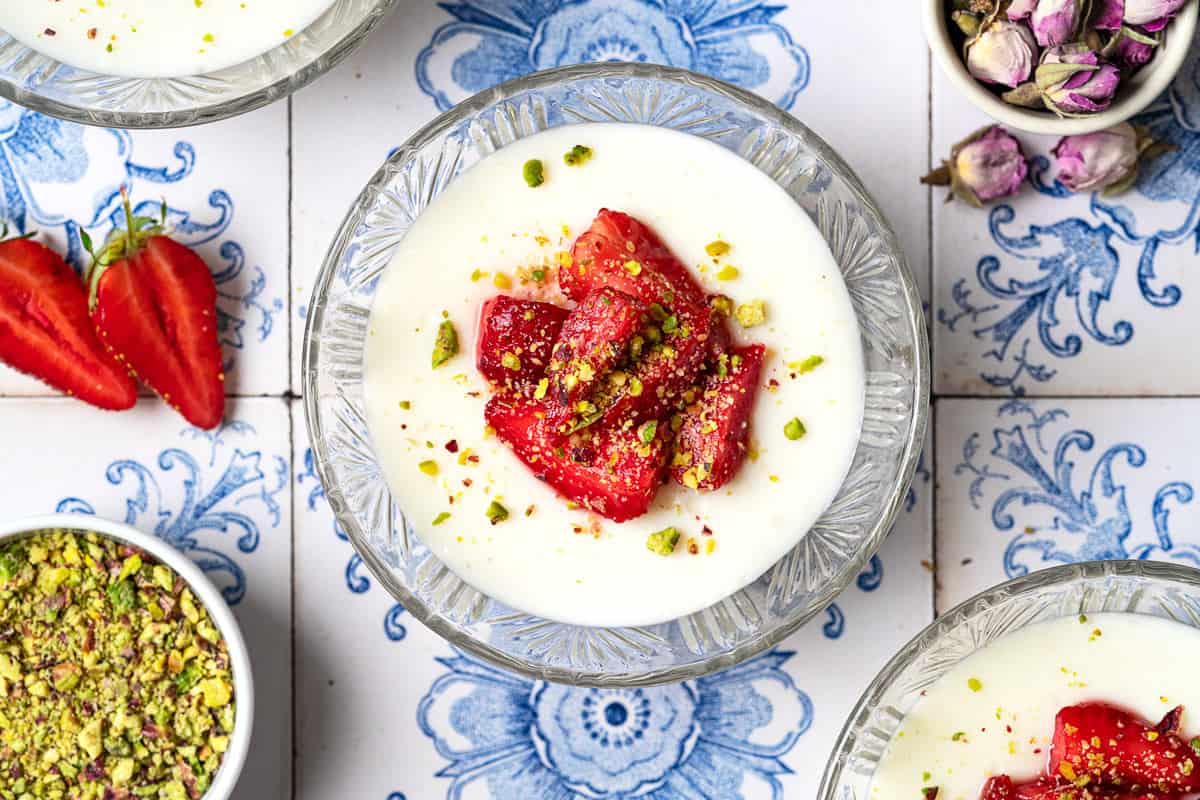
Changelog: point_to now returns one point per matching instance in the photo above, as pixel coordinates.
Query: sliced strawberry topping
(515, 339)
(157, 310)
(45, 330)
(713, 440)
(1111, 746)
(620, 252)
(613, 472)
(593, 340)
(1002, 787)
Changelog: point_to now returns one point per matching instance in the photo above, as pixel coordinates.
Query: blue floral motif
(245, 477)
(491, 41)
(532, 739)
(1088, 523)
(43, 162)
(356, 581)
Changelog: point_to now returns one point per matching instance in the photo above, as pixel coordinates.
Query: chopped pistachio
(538, 275)
(496, 513)
(542, 387)
(728, 273)
(670, 324)
(635, 386)
(794, 429)
(663, 542)
(510, 361)
(577, 156)
(405, 405)
(721, 305)
(501, 281)
(476, 275)
(534, 173)
(807, 365)
(122, 596)
(445, 347)
(429, 467)
(752, 313)
(634, 268)
(974, 684)
(647, 431)
(440, 518)
(717, 248)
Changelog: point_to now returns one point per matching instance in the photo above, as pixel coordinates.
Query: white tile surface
(221, 497)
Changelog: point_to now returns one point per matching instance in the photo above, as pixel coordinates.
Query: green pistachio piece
(534, 173)
(794, 429)
(445, 346)
(496, 513)
(663, 542)
(122, 596)
(577, 156)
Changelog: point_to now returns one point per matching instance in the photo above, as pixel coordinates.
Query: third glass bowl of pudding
(151, 64)
(1073, 683)
(615, 374)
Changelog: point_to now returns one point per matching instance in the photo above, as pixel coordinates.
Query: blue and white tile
(1025, 484)
(226, 190)
(1056, 294)
(386, 708)
(223, 497)
(430, 56)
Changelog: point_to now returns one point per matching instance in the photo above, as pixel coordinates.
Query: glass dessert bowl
(40, 82)
(804, 580)
(1016, 661)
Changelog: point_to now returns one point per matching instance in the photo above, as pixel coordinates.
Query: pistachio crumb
(728, 273)
(663, 542)
(429, 467)
(534, 173)
(445, 346)
(974, 684)
(717, 248)
(794, 429)
(496, 513)
(577, 156)
(634, 268)
(440, 518)
(751, 314)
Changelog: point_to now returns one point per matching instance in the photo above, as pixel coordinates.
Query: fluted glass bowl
(1169, 591)
(44, 84)
(802, 583)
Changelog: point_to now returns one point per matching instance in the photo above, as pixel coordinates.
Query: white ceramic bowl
(239, 657)
(1134, 95)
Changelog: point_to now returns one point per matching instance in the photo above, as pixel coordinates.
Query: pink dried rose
(1054, 22)
(1153, 15)
(1104, 161)
(1073, 80)
(1003, 53)
(986, 166)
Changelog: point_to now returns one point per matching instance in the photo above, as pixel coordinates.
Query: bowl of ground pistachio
(123, 674)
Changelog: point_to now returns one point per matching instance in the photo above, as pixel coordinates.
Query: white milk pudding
(737, 233)
(156, 38)
(994, 713)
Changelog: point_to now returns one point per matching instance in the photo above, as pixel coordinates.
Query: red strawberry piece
(620, 252)
(154, 306)
(45, 330)
(715, 434)
(611, 471)
(1113, 747)
(593, 340)
(515, 339)
(1002, 787)
(720, 340)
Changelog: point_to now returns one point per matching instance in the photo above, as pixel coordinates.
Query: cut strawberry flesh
(1002, 787)
(593, 340)
(613, 472)
(620, 252)
(157, 309)
(1111, 746)
(714, 438)
(515, 340)
(45, 330)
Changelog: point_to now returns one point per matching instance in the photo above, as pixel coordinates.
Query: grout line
(292, 444)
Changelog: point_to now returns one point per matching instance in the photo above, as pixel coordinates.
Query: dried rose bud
(1152, 14)
(1054, 22)
(1073, 81)
(1107, 15)
(1131, 47)
(1021, 9)
(1004, 53)
(986, 166)
(1106, 160)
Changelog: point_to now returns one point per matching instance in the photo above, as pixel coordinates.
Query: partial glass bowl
(1161, 590)
(43, 84)
(881, 287)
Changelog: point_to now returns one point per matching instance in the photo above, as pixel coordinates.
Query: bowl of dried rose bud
(123, 674)
(1060, 66)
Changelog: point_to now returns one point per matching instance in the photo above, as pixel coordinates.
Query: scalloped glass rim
(45, 85)
(801, 585)
(1145, 587)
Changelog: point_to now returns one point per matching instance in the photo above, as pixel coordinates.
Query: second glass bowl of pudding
(976, 693)
(210, 62)
(394, 538)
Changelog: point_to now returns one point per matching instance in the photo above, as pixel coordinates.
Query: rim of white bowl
(234, 758)
(943, 626)
(1152, 79)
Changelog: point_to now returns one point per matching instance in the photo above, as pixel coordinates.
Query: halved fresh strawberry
(515, 339)
(1111, 746)
(593, 340)
(1002, 787)
(620, 252)
(714, 437)
(45, 330)
(153, 302)
(613, 472)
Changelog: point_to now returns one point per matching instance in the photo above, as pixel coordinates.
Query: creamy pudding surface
(993, 713)
(156, 38)
(482, 237)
